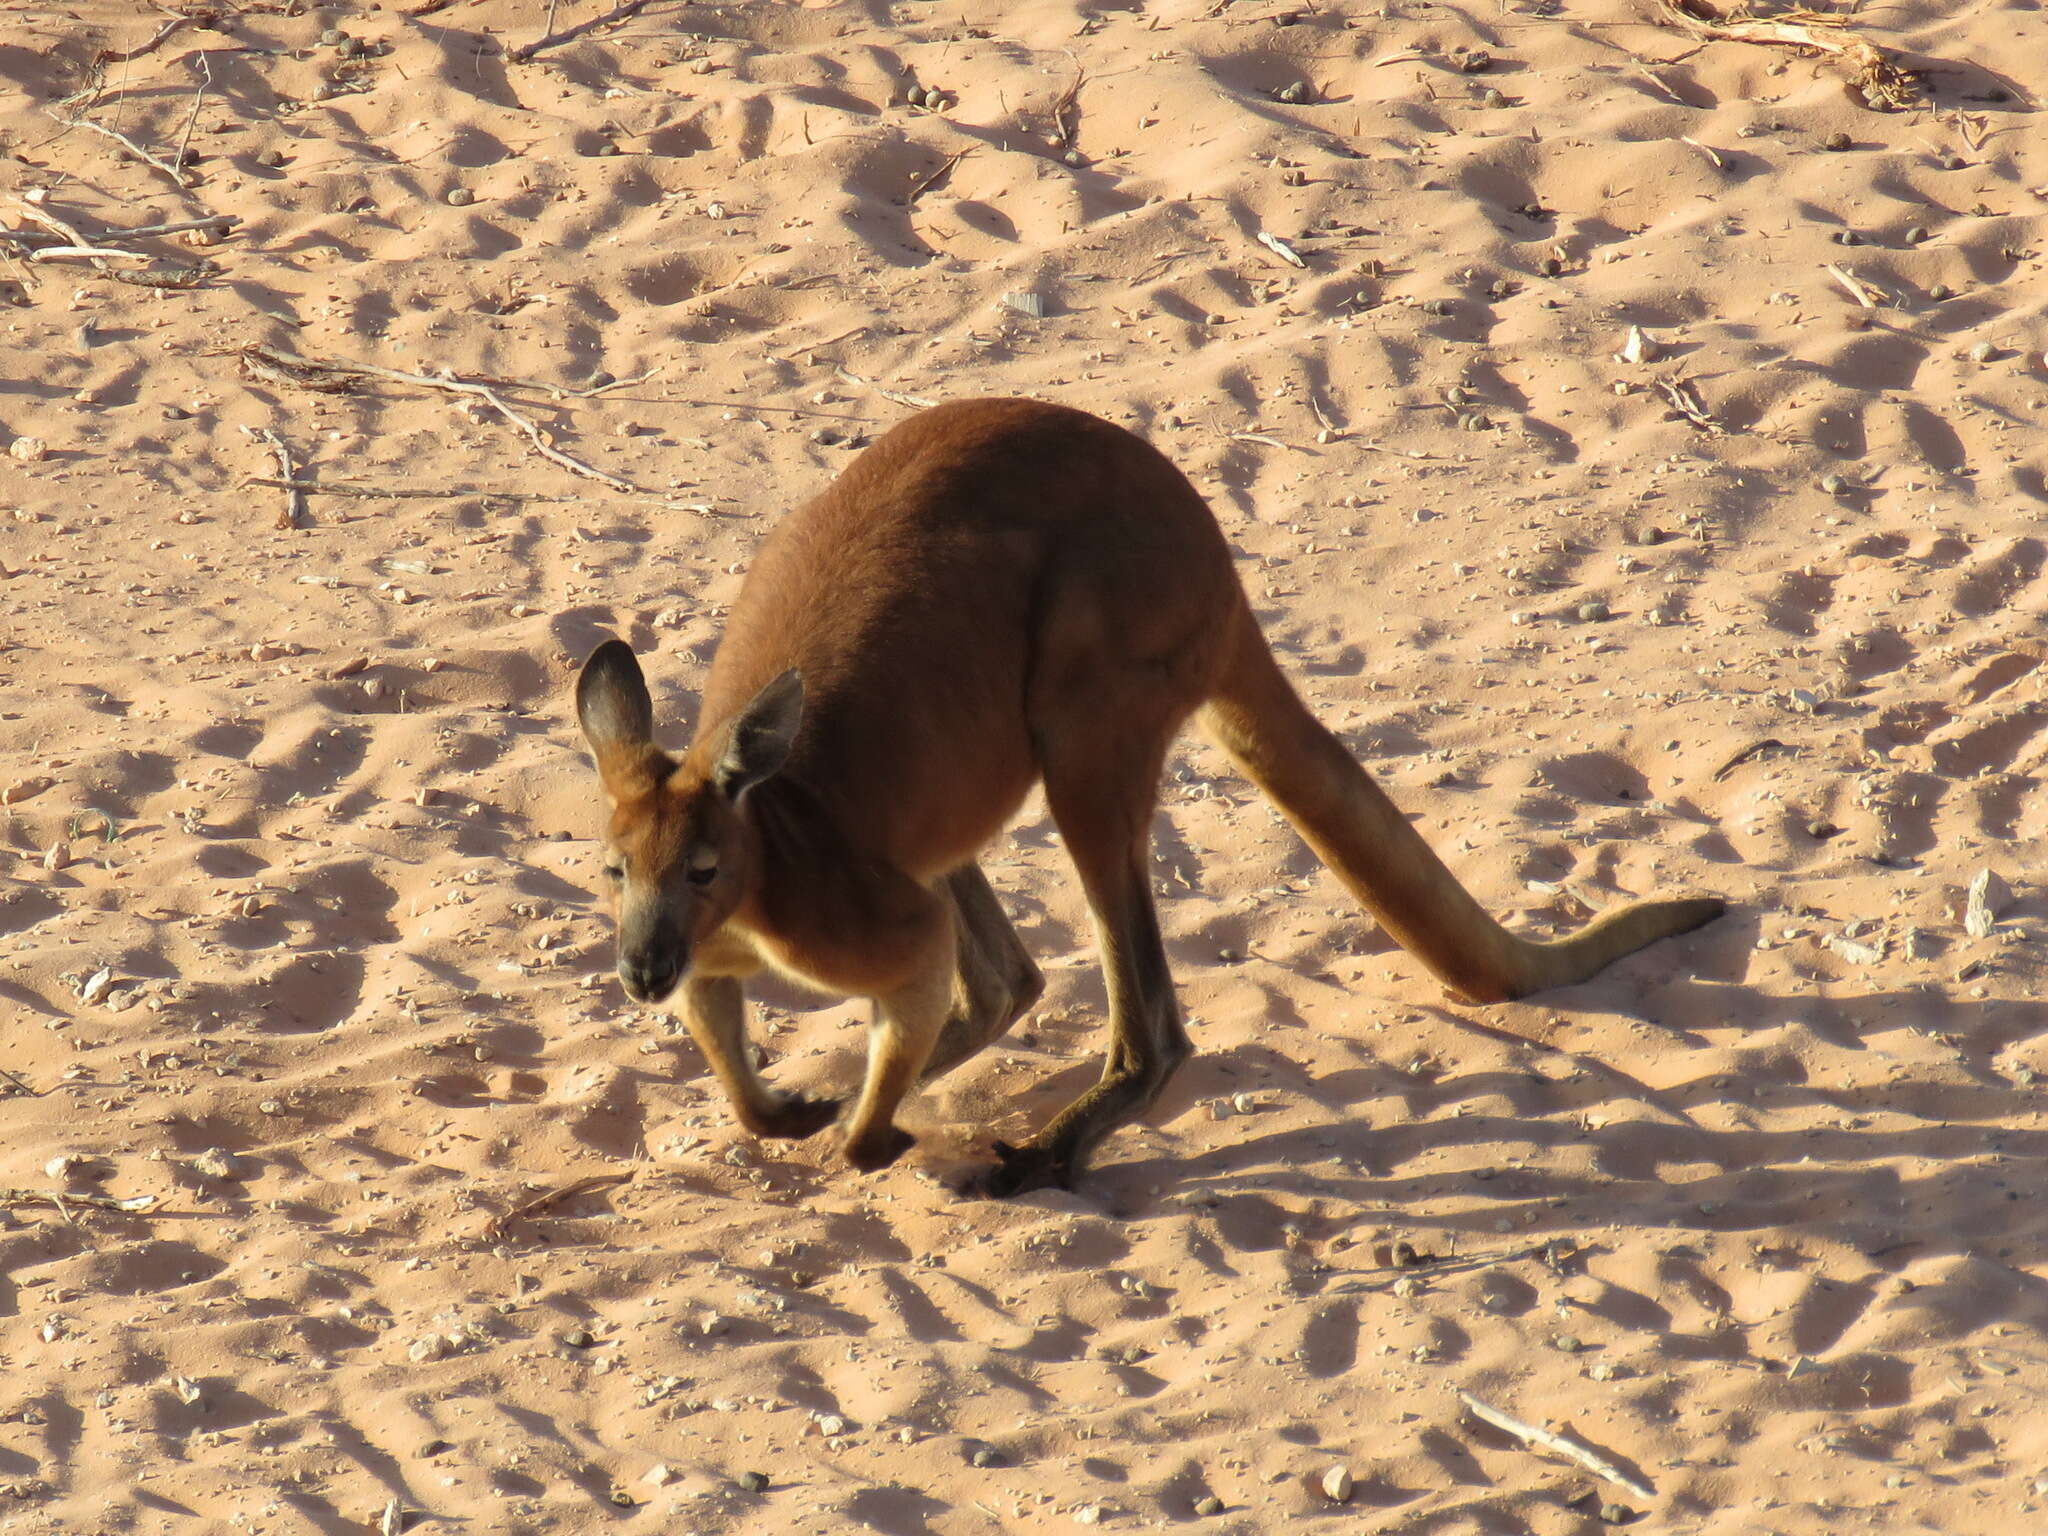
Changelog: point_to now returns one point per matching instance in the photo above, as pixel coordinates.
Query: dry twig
(540, 1202)
(294, 499)
(1879, 80)
(1685, 400)
(177, 176)
(926, 183)
(15, 1197)
(526, 51)
(1856, 289)
(399, 492)
(293, 370)
(1530, 1434)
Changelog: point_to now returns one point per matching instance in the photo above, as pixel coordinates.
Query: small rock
(57, 855)
(578, 1338)
(1820, 831)
(1030, 304)
(660, 1474)
(460, 197)
(1983, 352)
(1567, 1344)
(1337, 1484)
(1616, 1514)
(621, 1499)
(1988, 896)
(831, 1424)
(428, 1346)
(1088, 1514)
(752, 1482)
(1638, 347)
(1940, 291)
(1593, 612)
(220, 1164)
(986, 1456)
(1208, 1504)
(30, 450)
(1838, 141)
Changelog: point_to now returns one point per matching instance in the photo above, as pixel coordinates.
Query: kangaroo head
(679, 852)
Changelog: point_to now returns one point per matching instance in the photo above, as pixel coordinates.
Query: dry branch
(546, 1198)
(526, 51)
(398, 492)
(177, 176)
(926, 183)
(1883, 84)
(129, 55)
(1530, 1434)
(296, 369)
(63, 1202)
(294, 499)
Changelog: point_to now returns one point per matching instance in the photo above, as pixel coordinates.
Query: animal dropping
(997, 594)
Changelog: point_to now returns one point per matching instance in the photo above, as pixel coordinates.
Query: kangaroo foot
(879, 1148)
(1021, 1169)
(797, 1116)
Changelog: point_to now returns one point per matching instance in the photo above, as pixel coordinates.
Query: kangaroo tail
(1255, 716)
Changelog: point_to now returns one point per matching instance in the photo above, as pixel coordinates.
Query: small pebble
(1337, 1484)
(1983, 352)
(333, 37)
(1918, 233)
(1477, 62)
(1616, 1514)
(1839, 141)
(986, 1456)
(1940, 291)
(752, 1482)
(621, 1499)
(29, 450)
(1593, 612)
(578, 1338)
(460, 197)
(1567, 1344)
(1646, 535)
(1208, 1504)
(1834, 485)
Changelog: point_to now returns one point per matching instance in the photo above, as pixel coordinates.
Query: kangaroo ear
(758, 741)
(613, 706)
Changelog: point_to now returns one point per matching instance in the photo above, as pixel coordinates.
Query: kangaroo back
(1255, 715)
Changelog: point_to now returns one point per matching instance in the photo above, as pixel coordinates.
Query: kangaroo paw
(1020, 1169)
(880, 1149)
(797, 1116)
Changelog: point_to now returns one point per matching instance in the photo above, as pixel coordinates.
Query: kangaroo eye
(614, 872)
(703, 874)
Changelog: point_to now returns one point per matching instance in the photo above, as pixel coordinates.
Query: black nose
(649, 978)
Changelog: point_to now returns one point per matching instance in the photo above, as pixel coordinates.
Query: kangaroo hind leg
(1104, 812)
(997, 980)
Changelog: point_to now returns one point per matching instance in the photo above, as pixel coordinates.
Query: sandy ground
(1751, 1215)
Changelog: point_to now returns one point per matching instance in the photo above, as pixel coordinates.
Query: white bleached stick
(1529, 1434)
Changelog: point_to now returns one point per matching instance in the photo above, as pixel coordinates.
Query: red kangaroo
(997, 593)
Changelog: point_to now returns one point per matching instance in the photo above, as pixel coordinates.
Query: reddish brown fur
(998, 592)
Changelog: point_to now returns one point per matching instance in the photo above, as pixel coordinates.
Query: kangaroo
(996, 593)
